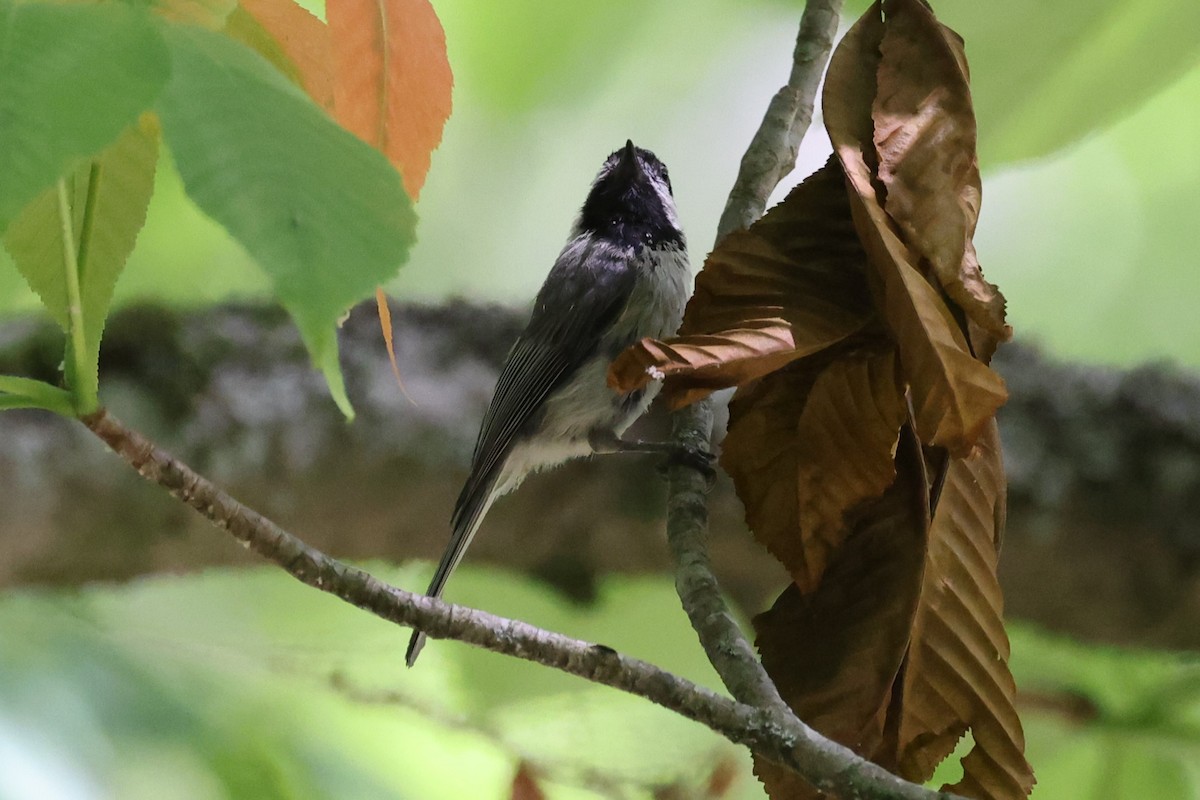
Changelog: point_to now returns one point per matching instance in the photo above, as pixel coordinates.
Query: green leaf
(321, 212)
(18, 392)
(1076, 69)
(1106, 232)
(108, 197)
(71, 78)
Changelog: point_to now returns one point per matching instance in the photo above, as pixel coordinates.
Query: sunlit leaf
(324, 214)
(392, 79)
(1072, 74)
(72, 77)
(790, 286)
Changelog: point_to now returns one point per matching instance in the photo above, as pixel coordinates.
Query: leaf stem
(82, 382)
(89, 220)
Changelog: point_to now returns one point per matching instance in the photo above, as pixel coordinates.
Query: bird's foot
(682, 455)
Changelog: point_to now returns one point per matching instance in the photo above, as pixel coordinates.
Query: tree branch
(770, 156)
(772, 152)
(687, 532)
(829, 766)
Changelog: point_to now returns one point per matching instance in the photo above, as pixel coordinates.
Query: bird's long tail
(469, 512)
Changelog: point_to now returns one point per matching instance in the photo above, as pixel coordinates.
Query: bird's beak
(628, 169)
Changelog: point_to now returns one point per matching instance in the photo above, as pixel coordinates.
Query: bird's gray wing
(586, 291)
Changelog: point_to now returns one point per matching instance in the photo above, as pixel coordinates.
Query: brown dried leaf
(846, 438)
(791, 285)
(806, 446)
(525, 784)
(925, 138)
(954, 394)
(956, 674)
(760, 454)
(835, 652)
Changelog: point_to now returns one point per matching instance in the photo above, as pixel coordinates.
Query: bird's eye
(666, 176)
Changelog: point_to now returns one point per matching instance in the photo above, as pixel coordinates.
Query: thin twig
(687, 532)
(829, 766)
(772, 152)
(770, 156)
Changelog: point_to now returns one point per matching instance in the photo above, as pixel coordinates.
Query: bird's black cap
(628, 168)
(624, 205)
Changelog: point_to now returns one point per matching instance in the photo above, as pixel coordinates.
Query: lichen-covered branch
(772, 152)
(829, 766)
(770, 156)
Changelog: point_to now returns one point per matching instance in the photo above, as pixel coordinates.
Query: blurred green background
(245, 685)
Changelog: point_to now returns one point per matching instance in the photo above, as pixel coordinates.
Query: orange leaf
(957, 671)
(835, 652)
(385, 325)
(302, 40)
(925, 137)
(954, 394)
(392, 79)
(210, 14)
(788, 287)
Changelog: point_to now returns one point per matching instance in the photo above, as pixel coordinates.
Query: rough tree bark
(1104, 468)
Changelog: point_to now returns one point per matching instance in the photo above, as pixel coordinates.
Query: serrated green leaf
(71, 78)
(16, 392)
(210, 14)
(242, 26)
(321, 212)
(108, 197)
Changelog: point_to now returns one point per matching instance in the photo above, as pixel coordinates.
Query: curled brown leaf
(804, 450)
(956, 675)
(954, 394)
(925, 139)
(790, 286)
(835, 652)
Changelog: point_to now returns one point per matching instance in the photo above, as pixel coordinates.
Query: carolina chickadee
(623, 275)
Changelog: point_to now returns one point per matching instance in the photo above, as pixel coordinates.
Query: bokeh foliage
(246, 684)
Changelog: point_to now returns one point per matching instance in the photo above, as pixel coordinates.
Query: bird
(623, 275)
